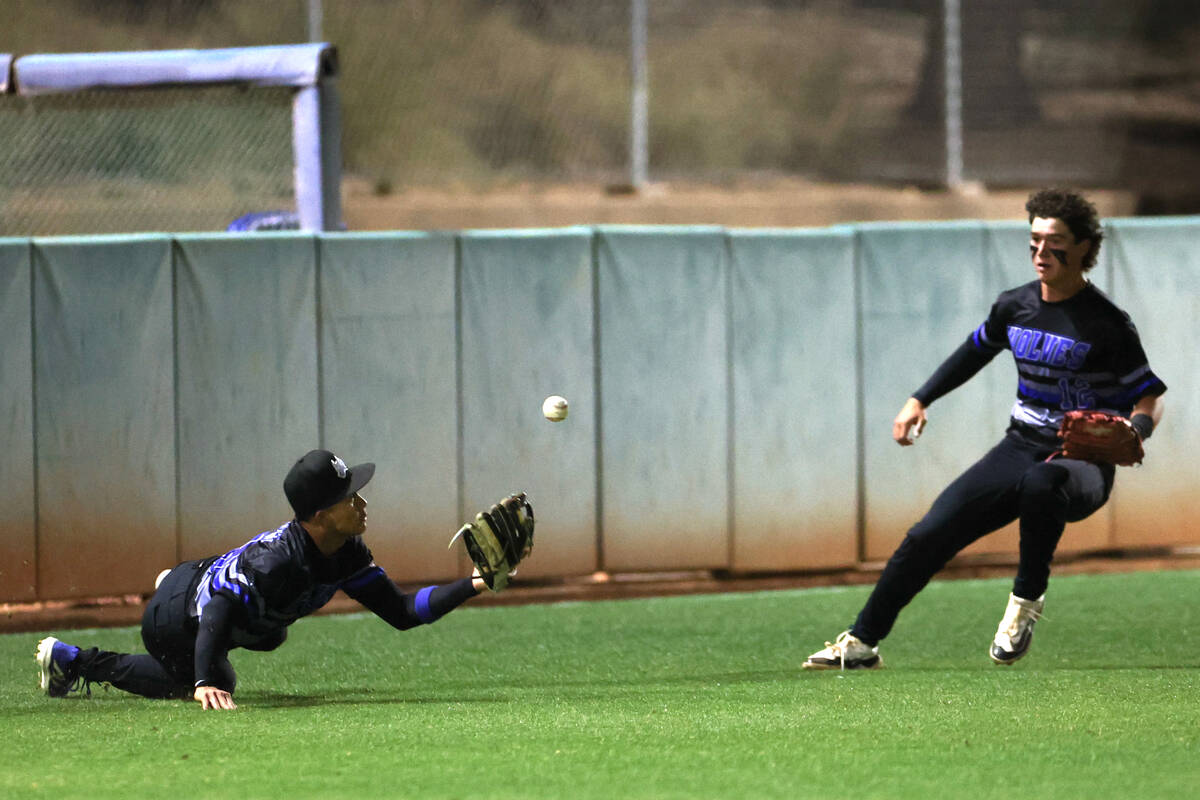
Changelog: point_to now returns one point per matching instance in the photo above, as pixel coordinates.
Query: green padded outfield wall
(105, 436)
(732, 392)
(921, 297)
(528, 324)
(794, 371)
(247, 382)
(389, 389)
(18, 537)
(1156, 278)
(664, 399)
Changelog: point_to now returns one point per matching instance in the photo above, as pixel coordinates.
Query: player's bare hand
(909, 423)
(212, 697)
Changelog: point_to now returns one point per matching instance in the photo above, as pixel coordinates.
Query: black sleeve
(213, 638)
(1133, 368)
(403, 611)
(956, 370)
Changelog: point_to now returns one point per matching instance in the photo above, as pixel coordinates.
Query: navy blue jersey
(1078, 353)
(278, 577)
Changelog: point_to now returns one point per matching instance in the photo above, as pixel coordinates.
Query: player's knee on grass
(268, 642)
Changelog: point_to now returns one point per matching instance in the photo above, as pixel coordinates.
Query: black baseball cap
(320, 479)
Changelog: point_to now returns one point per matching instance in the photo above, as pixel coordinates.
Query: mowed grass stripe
(697, 696)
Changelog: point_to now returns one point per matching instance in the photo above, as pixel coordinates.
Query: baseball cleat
(1015, 633)
(59, 673)
(846, 652)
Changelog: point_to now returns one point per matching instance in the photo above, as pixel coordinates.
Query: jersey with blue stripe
(280, 576)
(1078, 353)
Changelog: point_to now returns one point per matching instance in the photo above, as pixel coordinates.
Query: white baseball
(554, 408)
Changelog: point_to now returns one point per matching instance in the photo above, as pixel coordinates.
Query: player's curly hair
(1074, 210)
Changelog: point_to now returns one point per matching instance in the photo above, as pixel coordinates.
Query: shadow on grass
(582, 689)
(608, 687)
(466, 693)
(335, 697)
(1035, 668)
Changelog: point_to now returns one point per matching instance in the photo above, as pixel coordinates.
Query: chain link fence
(468, 95)
(150, 160)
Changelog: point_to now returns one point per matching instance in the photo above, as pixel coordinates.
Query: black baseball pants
(1012, 481)
(167, 669)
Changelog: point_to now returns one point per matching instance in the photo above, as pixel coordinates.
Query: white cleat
(846, 652)
(1015, 633)
(58, 668)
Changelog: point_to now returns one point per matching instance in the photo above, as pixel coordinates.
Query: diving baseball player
(249, 596)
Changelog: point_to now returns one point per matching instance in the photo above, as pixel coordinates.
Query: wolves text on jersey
(1031, 344)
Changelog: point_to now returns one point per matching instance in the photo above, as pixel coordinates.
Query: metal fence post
(316, 15)
(952, 19)
(638, 140)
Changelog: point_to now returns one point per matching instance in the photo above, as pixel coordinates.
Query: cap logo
(339, 466)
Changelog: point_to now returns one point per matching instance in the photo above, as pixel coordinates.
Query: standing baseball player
(1086, 400)
(249, 596)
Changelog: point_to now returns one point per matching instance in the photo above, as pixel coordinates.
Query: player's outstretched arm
(909, 422)
(403, 610)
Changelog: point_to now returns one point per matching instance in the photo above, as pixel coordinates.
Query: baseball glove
(1097, 436)
(499, 539)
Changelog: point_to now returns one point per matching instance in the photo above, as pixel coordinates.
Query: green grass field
(697, 696)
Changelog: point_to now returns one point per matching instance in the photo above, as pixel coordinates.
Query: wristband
(421, 605)
(1143, 424)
